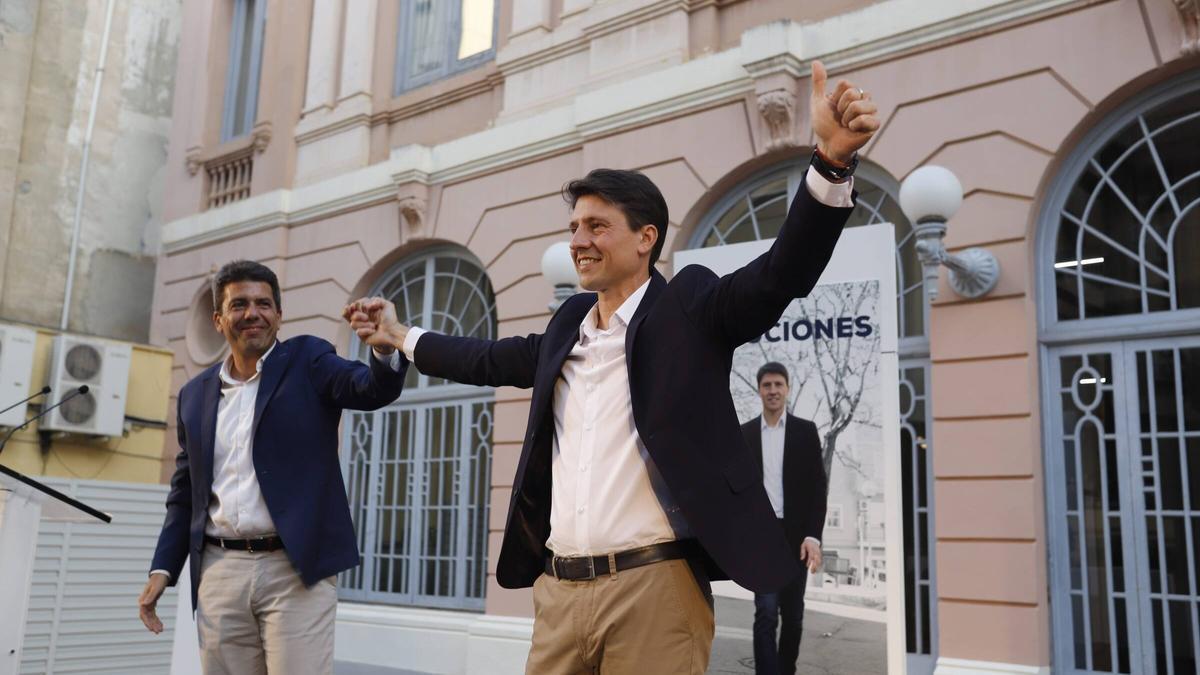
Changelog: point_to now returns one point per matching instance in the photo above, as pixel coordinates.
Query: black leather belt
(582, 568)
(255, 545)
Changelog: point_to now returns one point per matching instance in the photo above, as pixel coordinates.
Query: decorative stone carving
(1189, 13)
(194, 160)
(412, 216)
(261, 136)
(778, 109)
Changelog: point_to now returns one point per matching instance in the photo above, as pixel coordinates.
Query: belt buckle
(591, 561)
(554, 567)
(250, 546)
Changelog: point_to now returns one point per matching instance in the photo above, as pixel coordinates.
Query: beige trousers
(652, 619)
(256, 617)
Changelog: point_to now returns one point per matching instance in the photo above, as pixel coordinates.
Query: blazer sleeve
(814, 522)
(509, 362)
(354, 384)
(744, 304)
(172, 549)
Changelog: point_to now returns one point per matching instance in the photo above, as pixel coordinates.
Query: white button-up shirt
(237, 509)
(772, 460)
(606, 493)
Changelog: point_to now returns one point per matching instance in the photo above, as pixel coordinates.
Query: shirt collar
(778, 425)
(227, 375)
(624, 313)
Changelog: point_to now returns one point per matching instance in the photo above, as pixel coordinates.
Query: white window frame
(451, 64)
(253, 12)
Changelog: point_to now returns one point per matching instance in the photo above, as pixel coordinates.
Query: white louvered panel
(83, 604)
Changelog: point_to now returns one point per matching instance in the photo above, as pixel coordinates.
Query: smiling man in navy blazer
(635, 487)
(257, 502)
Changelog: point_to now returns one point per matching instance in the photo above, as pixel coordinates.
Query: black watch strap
(834, 174)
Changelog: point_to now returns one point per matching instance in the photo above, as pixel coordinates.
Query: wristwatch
(831, 172)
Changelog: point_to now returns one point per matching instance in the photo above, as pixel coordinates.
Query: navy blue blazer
(804, 484)
(679, 351)
(305, 385)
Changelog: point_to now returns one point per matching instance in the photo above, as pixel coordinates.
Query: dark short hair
(632, 192)
(773, 367)
(243, 270)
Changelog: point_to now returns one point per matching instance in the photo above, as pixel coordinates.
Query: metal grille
(1129, 228)
(418, 471)
(229, 178)
(920, 604)
(82, 362)
(1168, 382)
(1097, 600)
(1127, 485)
(757, 210)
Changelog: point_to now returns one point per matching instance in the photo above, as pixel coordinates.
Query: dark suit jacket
(304, 387)
(679, 350)
(803, 476)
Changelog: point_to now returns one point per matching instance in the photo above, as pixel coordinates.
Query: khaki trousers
(652, 619)
(256, 617)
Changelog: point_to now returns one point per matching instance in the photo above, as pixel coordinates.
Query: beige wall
(1000, 106)
(50, 52)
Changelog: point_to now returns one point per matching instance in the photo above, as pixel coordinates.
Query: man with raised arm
(634, 486)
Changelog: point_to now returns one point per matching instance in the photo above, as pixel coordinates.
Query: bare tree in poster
(829, 374)
(843, 369)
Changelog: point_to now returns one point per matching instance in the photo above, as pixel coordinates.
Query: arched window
(418, 471)
(756, 209)
(1118, 248)
(1129, 225)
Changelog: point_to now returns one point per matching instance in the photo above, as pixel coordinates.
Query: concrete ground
(832, 645)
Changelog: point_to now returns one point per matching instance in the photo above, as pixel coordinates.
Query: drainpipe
(83, 164)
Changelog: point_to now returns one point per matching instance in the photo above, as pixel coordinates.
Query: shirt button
(591, 387)
(582, 468)
(587, 427)
(580, 509)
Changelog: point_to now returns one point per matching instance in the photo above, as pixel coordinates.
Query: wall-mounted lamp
(930, 196)
(559, 269)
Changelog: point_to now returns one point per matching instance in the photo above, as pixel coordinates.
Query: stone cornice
(842, 42)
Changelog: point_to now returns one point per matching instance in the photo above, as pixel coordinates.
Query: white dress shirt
(772, 459)
(237, 509)
(606, 493)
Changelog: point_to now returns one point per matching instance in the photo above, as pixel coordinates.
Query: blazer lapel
(272, 373)
(657, 284)
(756, 445)
(210, 394)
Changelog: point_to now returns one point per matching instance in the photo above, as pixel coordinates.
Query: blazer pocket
(740, 475)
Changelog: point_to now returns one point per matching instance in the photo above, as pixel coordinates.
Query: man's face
(773, 390)
(606, 252)
(248, 317)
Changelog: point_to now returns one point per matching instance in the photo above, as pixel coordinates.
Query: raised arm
(744, 304)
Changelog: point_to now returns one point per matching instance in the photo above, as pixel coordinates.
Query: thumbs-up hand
(844, 119)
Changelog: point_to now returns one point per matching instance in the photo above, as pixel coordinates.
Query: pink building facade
(417, 149)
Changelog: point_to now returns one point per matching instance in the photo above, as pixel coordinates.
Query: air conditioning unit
(104, 367)
(16, 367)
